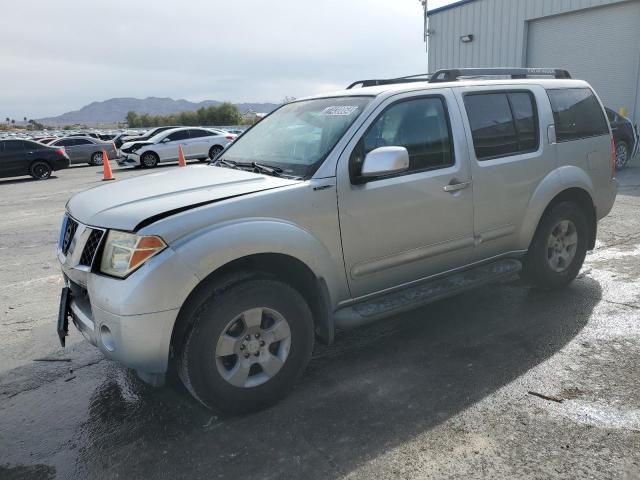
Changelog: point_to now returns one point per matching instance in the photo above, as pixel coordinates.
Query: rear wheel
(622, 154)
(96, 159)
(558, 248)
(249, 343)
(215, 151)
(149, 159)
(40, 170)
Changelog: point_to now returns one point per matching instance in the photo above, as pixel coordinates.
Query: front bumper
(130, 320)
(129, 159)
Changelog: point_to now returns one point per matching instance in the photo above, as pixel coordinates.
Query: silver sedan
(86, 149)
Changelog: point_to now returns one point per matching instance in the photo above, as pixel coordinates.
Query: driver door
(410, 225)
(168, 147)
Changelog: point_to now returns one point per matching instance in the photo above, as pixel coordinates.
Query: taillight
(613, 157)
(60, 151)
(230, 137)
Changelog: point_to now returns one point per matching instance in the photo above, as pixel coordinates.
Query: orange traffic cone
(106, 167)
(181, 161)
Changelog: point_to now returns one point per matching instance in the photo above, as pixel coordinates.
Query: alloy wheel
(562, 246)
(253, 347)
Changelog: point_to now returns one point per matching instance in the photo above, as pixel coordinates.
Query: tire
(96, 159)
(215, 151)
(558, 248)
(149, 160)
(40, 170)
(622, 154)
(246, 317)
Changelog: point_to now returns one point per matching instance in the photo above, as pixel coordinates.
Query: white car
(197, 143)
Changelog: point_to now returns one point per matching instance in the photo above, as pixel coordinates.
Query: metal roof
(450, 6)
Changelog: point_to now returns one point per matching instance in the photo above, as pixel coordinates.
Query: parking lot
(438, 392)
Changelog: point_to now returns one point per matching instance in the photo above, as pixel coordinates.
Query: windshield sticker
(339, 110)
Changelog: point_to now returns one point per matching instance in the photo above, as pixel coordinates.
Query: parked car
(145, 136)
(333, 212)
(86, 149)
(625, 135)
(84, 134)
(26, 157)
(197, 143)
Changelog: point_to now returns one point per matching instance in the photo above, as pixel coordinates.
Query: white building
(595, 40)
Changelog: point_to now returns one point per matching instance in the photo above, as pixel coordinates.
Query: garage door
(599, 45)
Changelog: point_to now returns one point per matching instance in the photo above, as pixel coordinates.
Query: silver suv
(332, 212)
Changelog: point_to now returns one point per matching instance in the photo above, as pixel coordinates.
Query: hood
(127, 204)
(130, 143)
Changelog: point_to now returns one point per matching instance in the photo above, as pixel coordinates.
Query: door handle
(455, 187)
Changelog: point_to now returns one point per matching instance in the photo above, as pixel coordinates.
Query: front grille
(69, 233)
(91, 247)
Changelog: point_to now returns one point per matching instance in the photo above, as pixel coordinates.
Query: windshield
(298, 136)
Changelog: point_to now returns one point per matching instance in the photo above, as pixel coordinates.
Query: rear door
(83, 149)
(405, 227)
(199, 142)
(13, 160)
(510, 154)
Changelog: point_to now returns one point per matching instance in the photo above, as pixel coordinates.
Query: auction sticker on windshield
(340, 110)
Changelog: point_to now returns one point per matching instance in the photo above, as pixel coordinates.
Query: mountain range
(115, 110)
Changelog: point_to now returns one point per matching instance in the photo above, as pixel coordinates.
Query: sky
(57, 56)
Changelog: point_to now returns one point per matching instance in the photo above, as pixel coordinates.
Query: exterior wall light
(466, 38)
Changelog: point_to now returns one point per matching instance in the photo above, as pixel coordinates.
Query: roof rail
(451, 75)
(420, 77)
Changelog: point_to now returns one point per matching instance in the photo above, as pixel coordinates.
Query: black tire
(40, 170)
(96, 159)
(215, 151)
(537, 265)
(198, 363)
(622, 154)
(149, 160)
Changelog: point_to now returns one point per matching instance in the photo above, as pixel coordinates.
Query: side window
(502, 123)
(197, 133)
(66, 142)
(13, 146)
(179, 135)
(82, 141)
(577, 114)
(420, 125)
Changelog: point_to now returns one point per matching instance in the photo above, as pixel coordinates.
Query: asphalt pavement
(440, 392)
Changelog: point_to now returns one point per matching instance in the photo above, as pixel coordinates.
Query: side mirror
(385, 161)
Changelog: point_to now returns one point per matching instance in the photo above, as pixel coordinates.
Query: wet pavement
(438, 392)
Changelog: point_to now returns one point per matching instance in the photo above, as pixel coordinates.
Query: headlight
(124, 252)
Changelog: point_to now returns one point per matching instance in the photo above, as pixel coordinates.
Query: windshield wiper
(271, 170)
(226, 163)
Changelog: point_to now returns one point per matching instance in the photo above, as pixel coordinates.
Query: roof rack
(420, 77)
(451, 75)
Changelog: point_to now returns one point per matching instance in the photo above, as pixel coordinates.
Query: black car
(146, 136)
(625, 135)
(26, 157)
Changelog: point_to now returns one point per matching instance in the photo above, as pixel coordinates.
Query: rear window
(577, 114)
(502, 123)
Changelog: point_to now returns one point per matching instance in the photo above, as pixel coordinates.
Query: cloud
(59, 56)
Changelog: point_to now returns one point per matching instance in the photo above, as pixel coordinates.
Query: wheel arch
(565, 184)
(283, 267)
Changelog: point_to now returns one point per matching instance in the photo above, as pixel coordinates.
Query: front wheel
(558, 248)
(149, 160)
(40, 170)
(622, 154)
(249, 343)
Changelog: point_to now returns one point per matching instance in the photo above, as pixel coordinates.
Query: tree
(25, 119)
(8, 120)
(132, 119)
(13, 121)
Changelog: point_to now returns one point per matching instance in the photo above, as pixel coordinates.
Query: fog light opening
(107, 338)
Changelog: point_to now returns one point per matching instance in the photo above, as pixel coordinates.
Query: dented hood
(131, 203)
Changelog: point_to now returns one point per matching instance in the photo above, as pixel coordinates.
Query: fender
(557, 181)
(207, 250)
